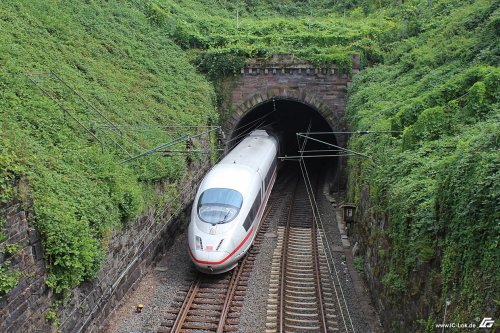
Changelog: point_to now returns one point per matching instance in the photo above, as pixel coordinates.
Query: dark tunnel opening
(287, 118)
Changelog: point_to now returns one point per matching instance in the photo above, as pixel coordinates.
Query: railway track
(301, 293)
(303, 296)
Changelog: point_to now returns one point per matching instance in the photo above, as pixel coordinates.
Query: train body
(230, 202)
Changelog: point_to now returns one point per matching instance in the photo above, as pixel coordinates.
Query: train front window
(219, 205)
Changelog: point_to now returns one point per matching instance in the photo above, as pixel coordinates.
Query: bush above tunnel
(222, 33)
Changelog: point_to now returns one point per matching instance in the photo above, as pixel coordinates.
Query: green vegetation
(438, 181)
(219, 35)
(358, 264)
(135, 75)
(433, 80)
(51, 317)
(9, 278)
(135, 63)
(11, 249)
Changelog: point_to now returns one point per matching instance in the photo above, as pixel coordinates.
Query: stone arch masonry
(284, 77)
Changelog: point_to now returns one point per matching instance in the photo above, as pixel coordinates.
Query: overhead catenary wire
(317, 217)
(168, 144)
(112, 288)
(351, 132)
(85, 101)
(51, 73)
(157, 148)
(314, 209)
(297, 157)
(250, 127)
(332, 145)
(65, 110)
(251, 123)
(92, 130)
(320, 150)
(146, 128)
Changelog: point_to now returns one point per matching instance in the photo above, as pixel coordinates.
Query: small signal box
(349, 210)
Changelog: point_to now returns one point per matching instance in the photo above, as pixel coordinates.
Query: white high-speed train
(230, 201)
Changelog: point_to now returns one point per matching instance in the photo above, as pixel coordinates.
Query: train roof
(255, 151)
(236, 177)
(240, 168)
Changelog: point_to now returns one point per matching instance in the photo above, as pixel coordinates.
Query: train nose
(210, 257)
(210, 261)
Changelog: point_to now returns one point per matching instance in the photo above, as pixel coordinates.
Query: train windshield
(219, 205)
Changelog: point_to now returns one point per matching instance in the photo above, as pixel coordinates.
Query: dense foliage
(135, 75)
(438, 181)
(221, 34)
(435, 181)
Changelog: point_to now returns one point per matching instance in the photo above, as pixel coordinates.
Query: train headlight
(199, 243)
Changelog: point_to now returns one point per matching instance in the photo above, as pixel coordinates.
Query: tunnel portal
(290, 95)
(287, 118)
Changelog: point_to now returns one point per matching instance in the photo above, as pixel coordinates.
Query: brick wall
(283, 77)
(30, 299)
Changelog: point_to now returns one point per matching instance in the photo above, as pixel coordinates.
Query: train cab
(230, 202)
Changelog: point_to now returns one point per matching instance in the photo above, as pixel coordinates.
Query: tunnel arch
(320, 92)
(288, 113)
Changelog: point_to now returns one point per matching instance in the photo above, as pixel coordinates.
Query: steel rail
(317, 276)
(317, 221)
(281, 306)
(220, 317)
(235, 278)
(186, 305)
(233, 284)
(300, 303)
(314, 234)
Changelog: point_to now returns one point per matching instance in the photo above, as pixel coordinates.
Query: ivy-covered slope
(220, 35)
(130, 70)
(432, 226)
(137, 63)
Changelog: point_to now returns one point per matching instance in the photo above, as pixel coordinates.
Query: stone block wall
(131, 251)
(30, 299)
(283, 77)
(324, 89)
(399, 311)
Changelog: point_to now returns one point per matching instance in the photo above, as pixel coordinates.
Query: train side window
(257, 202)
(253, 211)
(270, 173)
(247, 223)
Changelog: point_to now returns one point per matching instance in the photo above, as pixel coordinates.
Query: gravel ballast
(173, 270)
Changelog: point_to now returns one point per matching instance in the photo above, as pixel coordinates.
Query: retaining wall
(130, 253)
